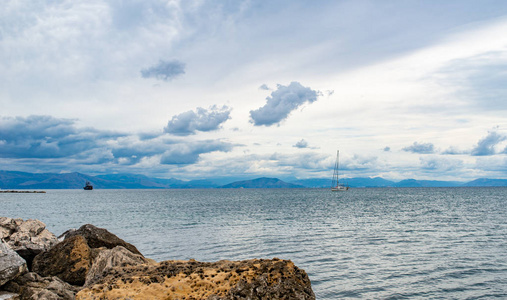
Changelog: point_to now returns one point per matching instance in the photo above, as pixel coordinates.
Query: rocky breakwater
(92, 263)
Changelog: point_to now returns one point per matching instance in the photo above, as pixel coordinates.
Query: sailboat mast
(337, 166)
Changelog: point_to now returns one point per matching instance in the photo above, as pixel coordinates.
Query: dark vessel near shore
(88, 186)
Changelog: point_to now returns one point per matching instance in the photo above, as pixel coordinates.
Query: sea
(366, 243)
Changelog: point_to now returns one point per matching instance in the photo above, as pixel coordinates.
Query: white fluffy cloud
(200, 120)
(282, 102)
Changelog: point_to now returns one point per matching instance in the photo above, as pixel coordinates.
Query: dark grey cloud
(301, 144)
(189, 122)
(282, 102)
(486, 146)
(47, 137)
(423, 148)
(164, 70)
(46, 142)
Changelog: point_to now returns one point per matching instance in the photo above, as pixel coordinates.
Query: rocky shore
(92, 263)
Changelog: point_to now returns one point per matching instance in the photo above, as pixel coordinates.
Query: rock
(35, 287)
(251, 279)
(69, 260)
(11, 264)
(100, 237)
(7, 295)
(110, 258)
(28, 238)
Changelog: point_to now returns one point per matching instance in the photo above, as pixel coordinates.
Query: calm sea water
(436, 243)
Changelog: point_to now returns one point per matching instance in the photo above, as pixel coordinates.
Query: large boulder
(69, 260)
(110, 258)
(99, 237)
(28, 238)
(32, 286)
(11, 264)
(251, 279)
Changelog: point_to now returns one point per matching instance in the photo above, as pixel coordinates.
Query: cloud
(264, 87)
(48, 137)
(132, 150)
(480, 78)
(189, 122)
(188, 153)
(164, 70)
(454, 151)
(423, 148)
(48, 143)
(301, 144)
(282, 102)
(486, 146)
(387, 149)
(441, 164)
(360, 162)
(306, 161)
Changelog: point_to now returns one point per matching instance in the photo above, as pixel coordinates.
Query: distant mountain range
(22, 180)
(261, 183)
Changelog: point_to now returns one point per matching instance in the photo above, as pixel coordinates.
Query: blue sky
(196, 89)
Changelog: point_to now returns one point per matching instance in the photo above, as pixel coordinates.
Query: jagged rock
(11, 264)
(110, 258)
(35, 287)
(251, 279)
(100, 237)
(69, 260)
(28, 238)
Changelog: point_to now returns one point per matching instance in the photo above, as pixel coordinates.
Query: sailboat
(336, 186)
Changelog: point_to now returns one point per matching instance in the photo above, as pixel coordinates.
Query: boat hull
(339, 188)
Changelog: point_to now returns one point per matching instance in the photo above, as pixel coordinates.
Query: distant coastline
(14, 180)
(22, 191)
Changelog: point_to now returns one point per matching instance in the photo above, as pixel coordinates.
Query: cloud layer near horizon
(48, 138)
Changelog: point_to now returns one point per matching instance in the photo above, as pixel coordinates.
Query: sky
(202, 89)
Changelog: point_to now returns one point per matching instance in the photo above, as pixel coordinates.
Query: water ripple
(442, 243)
